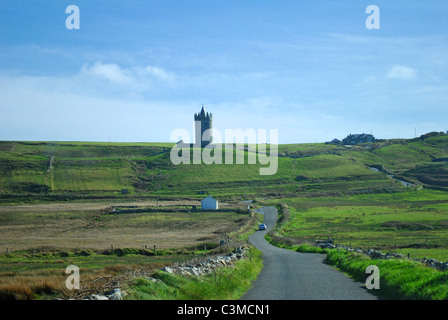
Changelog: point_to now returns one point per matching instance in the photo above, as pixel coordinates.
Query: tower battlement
(202, 115)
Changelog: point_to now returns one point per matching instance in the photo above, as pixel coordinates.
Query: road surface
(290, 275)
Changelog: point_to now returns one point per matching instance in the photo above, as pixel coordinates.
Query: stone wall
(203, 267)
(376, 254)
(196, 268)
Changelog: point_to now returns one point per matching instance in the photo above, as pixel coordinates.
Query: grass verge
(225, 283)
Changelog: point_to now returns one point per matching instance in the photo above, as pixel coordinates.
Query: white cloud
(111, 72)
(116, 74)
(401, 72)
(156, 72)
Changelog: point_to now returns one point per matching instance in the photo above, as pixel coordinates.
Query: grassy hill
(72, 170)
(343, 192)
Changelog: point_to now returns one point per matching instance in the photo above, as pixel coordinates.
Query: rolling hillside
(68, 170)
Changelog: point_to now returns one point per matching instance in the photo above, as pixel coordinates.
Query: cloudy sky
(138, 70)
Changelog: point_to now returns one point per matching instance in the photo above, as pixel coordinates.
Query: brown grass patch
(29, 287)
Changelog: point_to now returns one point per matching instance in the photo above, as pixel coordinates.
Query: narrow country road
(290, 275)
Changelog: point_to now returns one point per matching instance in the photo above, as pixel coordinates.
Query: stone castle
(203, 128)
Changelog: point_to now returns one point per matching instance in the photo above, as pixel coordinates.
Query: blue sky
(137, 70)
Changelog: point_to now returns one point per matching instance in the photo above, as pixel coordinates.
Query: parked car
(263, 227)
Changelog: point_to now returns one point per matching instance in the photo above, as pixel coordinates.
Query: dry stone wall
(195, 268)
(376, 254)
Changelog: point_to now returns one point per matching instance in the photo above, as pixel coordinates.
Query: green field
(56, 201)
(415, 222)
(93, 170)
(334, 190)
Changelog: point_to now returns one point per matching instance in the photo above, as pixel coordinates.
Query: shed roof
(209, 197)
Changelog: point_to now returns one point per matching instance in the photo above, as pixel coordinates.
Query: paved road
(290, 275)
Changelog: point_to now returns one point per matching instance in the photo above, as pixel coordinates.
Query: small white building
(209, 203)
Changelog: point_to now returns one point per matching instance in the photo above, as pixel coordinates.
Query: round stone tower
(203, 122)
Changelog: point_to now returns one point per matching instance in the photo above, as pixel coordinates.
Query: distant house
(209, 203)
(358, 138)
(334, 141)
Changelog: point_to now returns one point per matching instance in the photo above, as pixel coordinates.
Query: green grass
(82, 177)
(57, 260)
(401, 156)
(226, 283)
(414, 222)
(104, 169)
(92, 169)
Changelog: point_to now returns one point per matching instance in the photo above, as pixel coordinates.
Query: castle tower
(202, 123)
